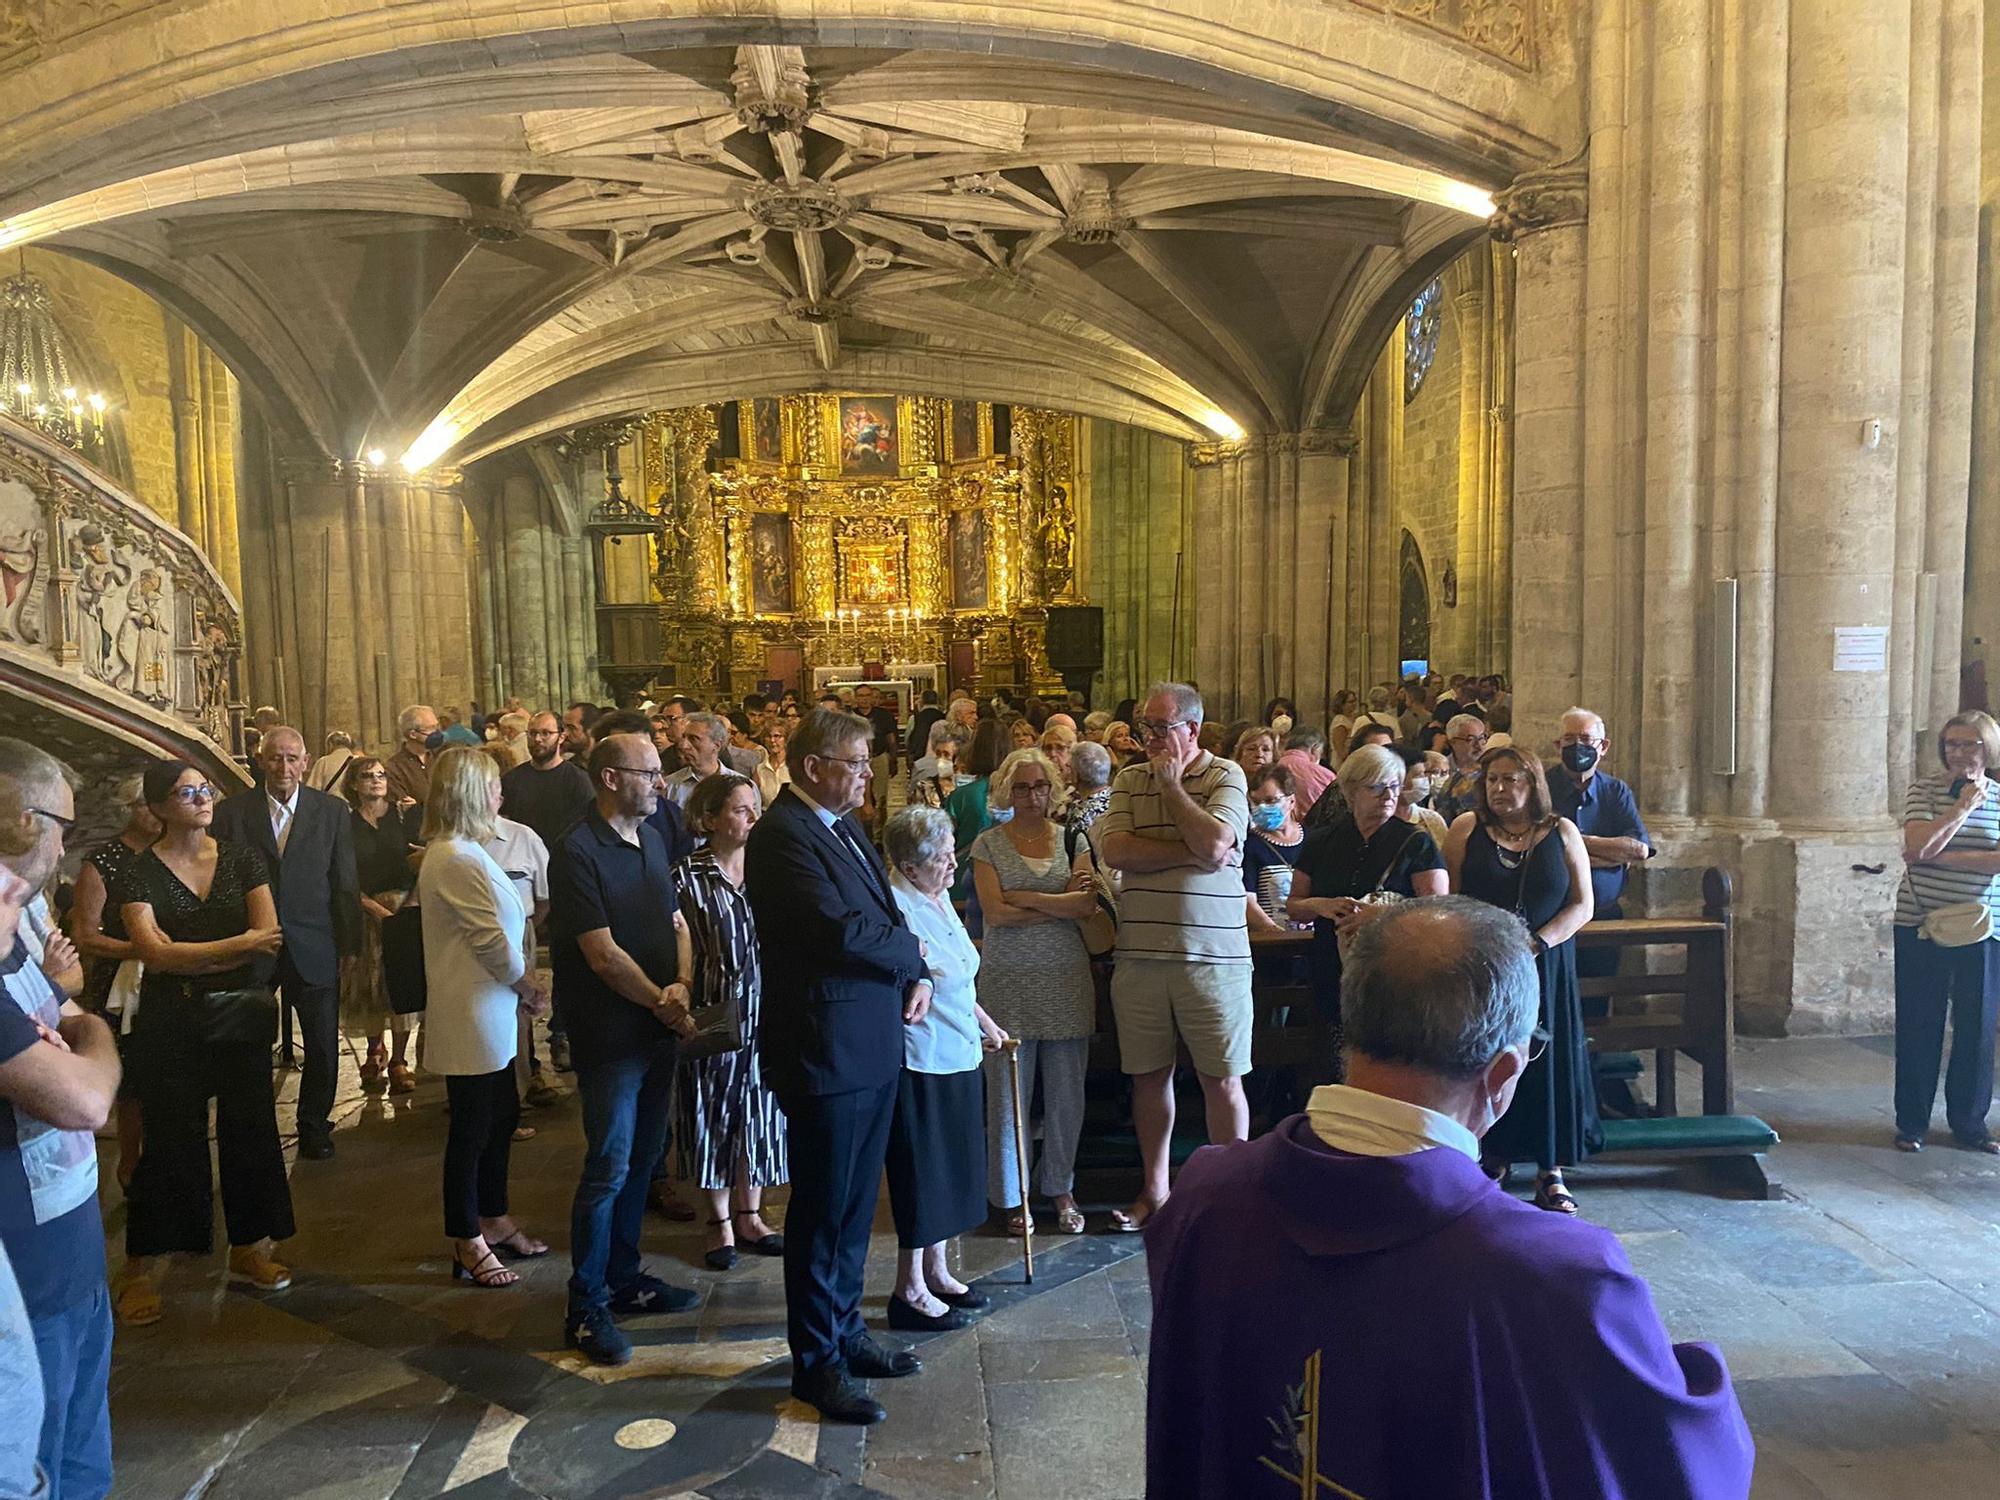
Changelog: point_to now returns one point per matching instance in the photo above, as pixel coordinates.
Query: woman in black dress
(200, 913)
(1512, 851)
(384, 833)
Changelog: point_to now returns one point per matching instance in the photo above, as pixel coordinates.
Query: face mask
(960, 778)
(1419, 789)
(1579, 758)
(1003, 814)
(434, 740)
(1282, 723)
(1267, 817)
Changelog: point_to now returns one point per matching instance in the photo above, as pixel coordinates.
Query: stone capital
(1555, 197)
(1209, 455)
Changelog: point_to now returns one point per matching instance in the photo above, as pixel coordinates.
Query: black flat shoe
(838, 1396)
(971, 1299)
(721, 1258)
(1909, 1143)
(770, 1244)
(906, 1319)
(871, 1361)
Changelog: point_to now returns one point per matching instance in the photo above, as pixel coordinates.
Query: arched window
(1420, 337)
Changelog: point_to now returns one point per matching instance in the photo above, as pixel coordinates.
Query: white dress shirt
(1364, 1124)
(283, 814)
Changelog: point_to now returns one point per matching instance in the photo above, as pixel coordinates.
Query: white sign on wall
(1860, 648)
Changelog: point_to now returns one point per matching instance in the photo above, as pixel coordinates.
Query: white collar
(291, 806)
(806, 797)
(1365, 1124)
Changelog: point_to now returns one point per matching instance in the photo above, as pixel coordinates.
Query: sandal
(1909, 1143)
(1020, 1223)
(1130, 1221)
(1551, 1194)
(1070, 1220)
(371, 1070)
(401, 1079)
(137, 1302)
(524, 1132)
(486, 1271)
(520, 1245)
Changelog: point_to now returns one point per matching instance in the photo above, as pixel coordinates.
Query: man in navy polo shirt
(58, 1078)
(1607, 815)
(617, 951)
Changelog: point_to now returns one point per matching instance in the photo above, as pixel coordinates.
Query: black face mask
(434, 740)
(1579, 758)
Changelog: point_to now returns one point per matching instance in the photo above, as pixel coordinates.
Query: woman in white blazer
(477, 978)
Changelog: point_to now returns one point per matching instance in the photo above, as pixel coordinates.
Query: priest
(1349, 1307)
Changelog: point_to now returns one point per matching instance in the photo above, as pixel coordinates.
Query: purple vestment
(1343, 1327)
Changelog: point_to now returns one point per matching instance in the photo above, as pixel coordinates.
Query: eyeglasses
(1965, 744)
(1384, 789)
(1582, 739)
(1156, 729)
(1020, 787)
(651, 771)
(856, 764)
(1468, 739)
(1538, 1042)
(202, 793)
(65, 824)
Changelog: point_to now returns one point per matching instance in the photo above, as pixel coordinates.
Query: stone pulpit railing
(108, 615)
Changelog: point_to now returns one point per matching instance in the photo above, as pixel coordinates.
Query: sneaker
(559, 1054)
(646, 1295)
(600, 1340)
(248, 1263)
(541, 1095)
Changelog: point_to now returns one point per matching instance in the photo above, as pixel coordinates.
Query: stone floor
(1861, 1317)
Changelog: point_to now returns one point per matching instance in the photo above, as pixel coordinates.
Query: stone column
(1846, 184)
(1544, 216)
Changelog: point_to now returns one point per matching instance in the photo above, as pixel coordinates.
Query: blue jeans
(75, 1350)
(625, 1113)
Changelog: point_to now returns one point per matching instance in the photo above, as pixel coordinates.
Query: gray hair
(1367, 766)
(1585, 713)
(1097, 722)
(35, 773)
(916, 835)
(943, 732)
(1305, 739)
(410, 717)
(1378, 698)
(1446, 997)
(1187, 702)
(1470, 723)
(822, 733)
(1090, 764)
(713, 725)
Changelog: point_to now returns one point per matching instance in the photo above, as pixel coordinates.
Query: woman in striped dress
(732, 1133)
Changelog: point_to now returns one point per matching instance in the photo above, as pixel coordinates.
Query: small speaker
(1076, 639)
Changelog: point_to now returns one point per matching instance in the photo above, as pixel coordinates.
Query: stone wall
(1135, 494)
(1426, 484)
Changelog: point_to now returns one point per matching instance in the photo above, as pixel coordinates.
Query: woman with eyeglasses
(1346, 868)
(97, 927)
(384, 834)
(201, 918)
(1513, 851)
(1947, 950)
(1034, 981)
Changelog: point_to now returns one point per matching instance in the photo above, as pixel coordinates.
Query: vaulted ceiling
(446, 282)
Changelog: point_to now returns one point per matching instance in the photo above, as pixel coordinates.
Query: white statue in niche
(20, 564)
(145, 640)
(102, 584)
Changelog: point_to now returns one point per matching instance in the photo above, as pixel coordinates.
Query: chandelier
(36, 360)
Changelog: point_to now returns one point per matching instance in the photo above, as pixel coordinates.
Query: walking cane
(1012, 1047)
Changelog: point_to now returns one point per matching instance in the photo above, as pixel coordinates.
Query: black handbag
(246, 1017)
(718, 1029)
(403, 960)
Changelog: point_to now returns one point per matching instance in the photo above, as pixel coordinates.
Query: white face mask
(1282, 723)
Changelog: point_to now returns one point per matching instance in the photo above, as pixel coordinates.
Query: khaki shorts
(1208, 1004)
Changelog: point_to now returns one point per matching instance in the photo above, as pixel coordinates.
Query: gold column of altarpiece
(859, 529)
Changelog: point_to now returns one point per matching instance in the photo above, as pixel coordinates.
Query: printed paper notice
(1860, 648)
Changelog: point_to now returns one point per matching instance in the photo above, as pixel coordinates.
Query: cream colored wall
(1426, 486)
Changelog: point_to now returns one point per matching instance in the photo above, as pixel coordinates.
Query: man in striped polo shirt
(1174, 831)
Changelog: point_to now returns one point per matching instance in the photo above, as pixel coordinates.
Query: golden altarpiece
(822, 539)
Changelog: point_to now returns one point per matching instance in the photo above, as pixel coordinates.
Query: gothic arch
(1413, 604)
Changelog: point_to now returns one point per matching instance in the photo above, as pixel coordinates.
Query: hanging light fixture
(37, 385)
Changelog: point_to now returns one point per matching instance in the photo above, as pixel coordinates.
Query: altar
(911, 543)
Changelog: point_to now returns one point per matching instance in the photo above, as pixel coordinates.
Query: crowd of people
(796, 942)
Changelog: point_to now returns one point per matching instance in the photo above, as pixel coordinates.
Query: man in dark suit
(304, 838)
(842, 976)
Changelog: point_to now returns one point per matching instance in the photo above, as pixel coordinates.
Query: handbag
(1377, 895)
(403, 960)
(245, 1017)
(718, 1029)
(1100, 928)
(1958, 925)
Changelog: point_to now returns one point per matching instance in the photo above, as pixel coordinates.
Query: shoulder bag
(1100, 928)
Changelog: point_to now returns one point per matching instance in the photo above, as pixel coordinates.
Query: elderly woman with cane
(937, 1145)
